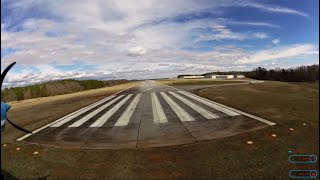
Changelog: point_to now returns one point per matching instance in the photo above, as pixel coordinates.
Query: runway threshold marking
(182, 114)
(104, 118)
(238, 111)
(60, 119)
(125, 117)
(158, 114)
(210, 104)
(80, 111)
(95, 112)
(207, 114)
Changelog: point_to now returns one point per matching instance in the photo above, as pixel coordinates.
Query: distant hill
(54, 88)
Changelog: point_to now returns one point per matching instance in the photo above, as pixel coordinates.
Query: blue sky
(151, 39)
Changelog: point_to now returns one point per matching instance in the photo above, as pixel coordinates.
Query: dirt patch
(160, 157)
(220, 98)
(167, 175)
(95, 165)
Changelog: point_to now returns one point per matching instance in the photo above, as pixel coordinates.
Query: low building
(212, 76)
(215, 76)
(239, 76)
(192, 77)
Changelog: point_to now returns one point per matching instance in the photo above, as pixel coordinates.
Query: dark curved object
(4, 73)
(18, 127)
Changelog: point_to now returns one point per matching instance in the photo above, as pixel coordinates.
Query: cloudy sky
(113, 39)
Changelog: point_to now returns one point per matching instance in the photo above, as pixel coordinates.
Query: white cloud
(275, 9)
(262, 24)
(260, 35)
(222, 32)
(125, 38)
(138, 50)
(168, 63)
(275, 41)
(286, 52)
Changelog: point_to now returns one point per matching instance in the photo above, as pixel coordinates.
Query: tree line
(298, 74)
(54, 88)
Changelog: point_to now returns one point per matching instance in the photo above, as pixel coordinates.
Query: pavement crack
(144, 101)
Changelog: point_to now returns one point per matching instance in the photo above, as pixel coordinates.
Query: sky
(142, 39)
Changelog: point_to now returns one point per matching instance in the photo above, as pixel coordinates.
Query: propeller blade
(18, 127)
(4, 73)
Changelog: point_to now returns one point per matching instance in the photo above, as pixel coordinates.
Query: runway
(147, 115)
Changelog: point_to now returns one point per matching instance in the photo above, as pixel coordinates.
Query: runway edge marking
(60, 119)
(230, 108)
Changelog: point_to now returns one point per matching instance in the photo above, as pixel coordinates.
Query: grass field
(309, 85)
(289, 105)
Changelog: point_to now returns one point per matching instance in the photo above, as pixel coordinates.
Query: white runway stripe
(125, 117)
(207, 114)
(210, 104)
(79, 112)
(182, 114)
(93, 113)
(60, 119)
(237, 111)
(158, 114)
(103, 119)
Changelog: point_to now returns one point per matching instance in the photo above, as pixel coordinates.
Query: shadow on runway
(5, 175)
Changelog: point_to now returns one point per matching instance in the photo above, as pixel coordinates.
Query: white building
(192, 77)
(215, 76)
(240, 76)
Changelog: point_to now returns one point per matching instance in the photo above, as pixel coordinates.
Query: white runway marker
(93, 113)
(147, 89)
(60, 119)
(125, 117)
(215, 106)
(182, 114)
(158, 114)
(79, 112)
(235, 110)
(103, 119)
(207, 114)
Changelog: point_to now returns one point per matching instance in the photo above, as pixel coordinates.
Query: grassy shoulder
(284, 103)
(314, 85)
(200, 81)
(228, 158)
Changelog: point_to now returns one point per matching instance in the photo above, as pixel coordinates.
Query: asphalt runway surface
(147, 115)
